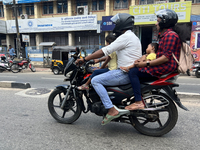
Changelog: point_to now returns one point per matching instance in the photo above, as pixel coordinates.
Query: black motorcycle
(66, 102)
(196, 69)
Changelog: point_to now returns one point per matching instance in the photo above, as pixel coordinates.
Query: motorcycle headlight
(196, 65)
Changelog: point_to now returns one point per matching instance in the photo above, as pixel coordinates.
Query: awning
(47, 44)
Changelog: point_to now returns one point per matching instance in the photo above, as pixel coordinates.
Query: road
(25, 124)
(189, 84)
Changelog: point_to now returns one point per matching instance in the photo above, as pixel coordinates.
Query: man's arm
(95, 55)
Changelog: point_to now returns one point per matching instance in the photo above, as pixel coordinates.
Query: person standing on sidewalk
(11, 52)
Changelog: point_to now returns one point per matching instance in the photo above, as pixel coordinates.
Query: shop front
(195, 40)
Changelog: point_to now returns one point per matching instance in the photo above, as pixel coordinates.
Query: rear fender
(173, 95)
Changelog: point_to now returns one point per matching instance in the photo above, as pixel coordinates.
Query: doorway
(146, 38)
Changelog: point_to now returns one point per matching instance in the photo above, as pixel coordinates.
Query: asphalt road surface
(188, 84)
(25, 124)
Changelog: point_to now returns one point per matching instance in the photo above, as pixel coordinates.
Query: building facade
(79, 22)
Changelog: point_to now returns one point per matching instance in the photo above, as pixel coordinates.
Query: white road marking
(8, 76)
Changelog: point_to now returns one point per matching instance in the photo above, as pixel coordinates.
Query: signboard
(25, 38)
(145, 14)
(3, 42)
(107, 24)
(194, 41)
(196, 26)
(6, 2)
(72, 23)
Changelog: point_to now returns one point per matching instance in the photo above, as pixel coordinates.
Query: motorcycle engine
(99, 109)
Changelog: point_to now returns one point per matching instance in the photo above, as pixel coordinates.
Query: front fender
(62, 87)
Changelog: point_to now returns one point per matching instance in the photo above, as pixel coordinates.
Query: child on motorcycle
(150, 55)
(111, 60)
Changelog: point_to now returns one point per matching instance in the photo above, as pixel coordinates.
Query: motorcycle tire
(14, 68)
(154, 127)
(197, 73)
(32, 68)
(71, 111)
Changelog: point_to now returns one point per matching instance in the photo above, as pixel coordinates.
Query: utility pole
(18, 43)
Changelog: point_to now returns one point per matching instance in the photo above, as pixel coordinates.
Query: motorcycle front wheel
(71, 111)
(160, 121)
(14, 68)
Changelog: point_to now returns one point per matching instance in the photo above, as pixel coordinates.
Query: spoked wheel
(14, 68)
(71, 111)
(156, 122)
(32, 68)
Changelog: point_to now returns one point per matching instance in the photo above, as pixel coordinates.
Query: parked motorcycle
(66, 102)
(196, 69)
(17, 66)
(5, 64)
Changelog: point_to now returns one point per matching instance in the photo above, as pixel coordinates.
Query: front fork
(69, 88)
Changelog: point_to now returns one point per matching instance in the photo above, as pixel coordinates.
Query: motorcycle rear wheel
(71, 111)
(165, 121)
(14, 68)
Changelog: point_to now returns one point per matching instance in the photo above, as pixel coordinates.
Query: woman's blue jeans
(110, 78)
(136, 77)
(99, 71)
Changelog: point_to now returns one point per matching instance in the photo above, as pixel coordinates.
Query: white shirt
(127, 47)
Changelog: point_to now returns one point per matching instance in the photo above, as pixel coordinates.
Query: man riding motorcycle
(128, 49)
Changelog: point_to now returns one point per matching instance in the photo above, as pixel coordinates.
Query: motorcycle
(17, 66)
(5, 64)
(66, 102)
(196, 69)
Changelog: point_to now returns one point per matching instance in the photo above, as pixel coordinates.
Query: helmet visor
(115, 19)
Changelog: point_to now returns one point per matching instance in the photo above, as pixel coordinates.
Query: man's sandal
(83, 87)
(108, 119)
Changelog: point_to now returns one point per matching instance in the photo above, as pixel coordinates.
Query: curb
(188, 95)
(13, 84)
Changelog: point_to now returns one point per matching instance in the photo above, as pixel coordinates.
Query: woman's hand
(140, 64)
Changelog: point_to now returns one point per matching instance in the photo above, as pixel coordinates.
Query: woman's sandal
(83, 87)
(135, 106)
(108, 119)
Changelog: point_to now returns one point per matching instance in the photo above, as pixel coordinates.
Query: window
(19, 10)
(1, 11)
(48, 8)
(194, 1)
(62, 6)
(98, 5)
(144, 2)
(30, 9)
(81, 2)
(169, 0)
(121, 4)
